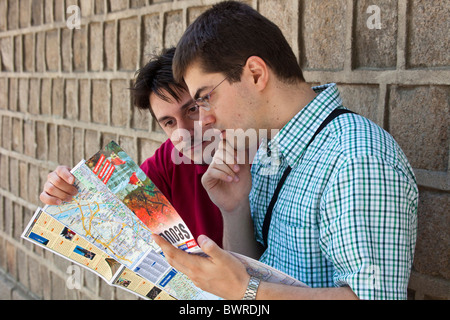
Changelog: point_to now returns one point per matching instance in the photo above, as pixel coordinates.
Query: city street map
(107, 229)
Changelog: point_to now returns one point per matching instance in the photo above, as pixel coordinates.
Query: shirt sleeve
(368, 228)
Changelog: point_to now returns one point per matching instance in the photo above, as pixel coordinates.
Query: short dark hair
(226, 35)
(156, 76)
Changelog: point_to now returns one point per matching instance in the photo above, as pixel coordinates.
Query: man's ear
(258, 71)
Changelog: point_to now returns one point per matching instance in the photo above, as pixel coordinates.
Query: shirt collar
(293, 138)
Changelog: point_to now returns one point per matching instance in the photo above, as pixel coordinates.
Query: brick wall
(63, 94)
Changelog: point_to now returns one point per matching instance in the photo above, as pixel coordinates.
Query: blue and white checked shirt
(347, 213)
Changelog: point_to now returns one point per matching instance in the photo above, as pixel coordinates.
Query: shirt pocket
(299, 240)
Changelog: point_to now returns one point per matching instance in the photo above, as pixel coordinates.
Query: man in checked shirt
(345, 219)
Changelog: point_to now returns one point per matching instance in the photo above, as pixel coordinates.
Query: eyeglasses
(203, 102)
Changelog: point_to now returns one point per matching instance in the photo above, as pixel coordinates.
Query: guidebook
(107, 229)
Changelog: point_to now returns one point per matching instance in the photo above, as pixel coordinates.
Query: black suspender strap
(268, 217)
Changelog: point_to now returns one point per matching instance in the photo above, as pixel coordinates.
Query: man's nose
(207, 118)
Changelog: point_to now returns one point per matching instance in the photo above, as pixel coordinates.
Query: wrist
(239, 210)
(252, 289)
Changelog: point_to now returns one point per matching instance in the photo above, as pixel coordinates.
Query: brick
(22, 270)
(71, 93)
(427, 287)
(137, 3)
(100, 101)
(141, 119)
(432, 234)
(2, 227)
(58, 98)
(28, 52)
(151, 37)
(29, 138)
(60, 264)
(120, 102)
(279, 12)
(40, 52)
(23, 180)
(110, 46)
(427, 38)
(19, 294)
(2, 248)
(43, 174)
(13, 174)
(106, 291)
(147, 148)
(66, 49)
(34, 189)
(41, 140)
(3, 15)
(34, 98)
(48, 11)
(107, 138)
(4, 170)
(46, 96)
(86, 7)
(4, 93)
(6, 288)
(13, 14)
(13, 93)
(65, 145)
(52, 47)
(362, 99)
(100, 7)
(11, 263)
(52, 143)
(79, 49)
(128, 44)
(118, 5)
(6, 47)
(58, 287)
(91, 281)
(72, 294)
(128, 144)
(173, 28)
(6, 133)
(24, 13)
(46, 283)
(125, 295)
(17, 135)
(323, 39)
(195, 12)
(34, 272)
(85, 100)
(376, 48)
(18, 53)
(23, 95)
(418, 120)
(78, 145)
(96, 46)
(58, 11)
(68, 4)
(8, 226)
(36, 12)
(91, 143)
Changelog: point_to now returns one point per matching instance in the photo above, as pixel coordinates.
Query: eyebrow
(197, 94)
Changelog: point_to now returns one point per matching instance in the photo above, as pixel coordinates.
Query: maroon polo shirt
(182, 186)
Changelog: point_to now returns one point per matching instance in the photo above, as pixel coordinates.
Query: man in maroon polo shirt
(178, 165)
